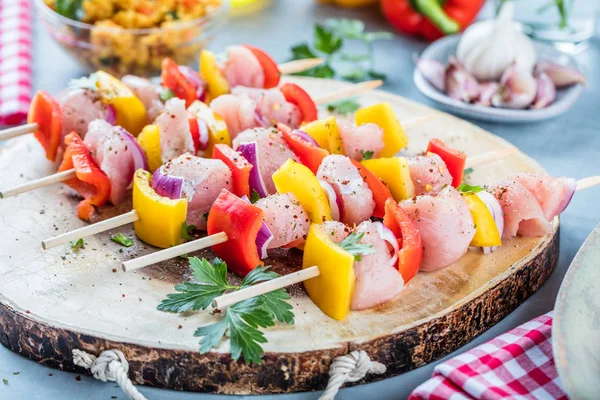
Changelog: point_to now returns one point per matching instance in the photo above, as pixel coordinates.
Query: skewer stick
(90, 230)
(265, 287)
(587, 183)
(18, 131)
(490, 156)
(174, 251)
(349, 91)
(38, 183)
(292, 67)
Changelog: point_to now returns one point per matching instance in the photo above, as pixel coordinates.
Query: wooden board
(55, 301)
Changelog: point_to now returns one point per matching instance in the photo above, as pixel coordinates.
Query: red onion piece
(165, 185)
(386, 234)
(496, 209)
(195, 80)
(111, 114)
(261, 121)
(138, 154)
(305, 136)
(334, 203)
(250, 152)
(264, 236)
(570, 187)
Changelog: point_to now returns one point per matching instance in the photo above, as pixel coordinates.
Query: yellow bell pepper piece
(131, 113)
(382, 114)
(149, 139)
(217, 128)
(293, 177)
(326, 133)
(210, 72)
(160, 218)
(394, 172)
(486, 231)
(332, 290)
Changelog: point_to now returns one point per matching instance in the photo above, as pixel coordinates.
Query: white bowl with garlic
(494, 72)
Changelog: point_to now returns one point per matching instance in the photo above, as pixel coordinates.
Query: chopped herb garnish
(122, 240)
(86, 82)
(367, 155)
(344, 107)
(468, 171)
(254, 196)
(70, 8)
(173, 15)
(463, 187)
(166, 94)
(5, 381)
(351, 245)
(328, 43)
(243, 320)
(187, 230)
(78, 244)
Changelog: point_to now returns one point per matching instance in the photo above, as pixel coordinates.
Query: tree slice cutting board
(54, 301)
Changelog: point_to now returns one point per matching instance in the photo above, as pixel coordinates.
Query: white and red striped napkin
(517, 364)
(15, 60)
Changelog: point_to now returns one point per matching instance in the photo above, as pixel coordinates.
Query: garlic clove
(517, 88)
(486, 92)
(460, 84)
(546, 91)
(560, 75)
(434, 72)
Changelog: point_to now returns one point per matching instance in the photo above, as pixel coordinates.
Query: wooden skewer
(349, 91)
(265, 287)
(490, 156)
(90, 230)
(18, 131)
(174, 251)
(38, 183)
(292, 67)
(587, 183)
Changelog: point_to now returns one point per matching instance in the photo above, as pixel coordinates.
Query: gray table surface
(568, 145)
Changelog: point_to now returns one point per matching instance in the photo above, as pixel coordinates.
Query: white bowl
(441, 49)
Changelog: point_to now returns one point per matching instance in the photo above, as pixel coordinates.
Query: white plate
(441, 49)
(576, 327)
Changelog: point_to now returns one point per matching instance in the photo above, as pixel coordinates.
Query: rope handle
(110, 365)
(349, 368)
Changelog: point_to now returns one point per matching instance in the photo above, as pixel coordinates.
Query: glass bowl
(121, 51)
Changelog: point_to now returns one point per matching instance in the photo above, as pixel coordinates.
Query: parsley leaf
(326, 41)
(187, 230)
(377, 75)
(122, 240)
(464, 188)
(344, 107)
(355, 75)
(254, 196)
(468, 171)
(347, 28)
(351, 245)
(367, 155)
(78, 244)
(86, 82)
(275, 302)
(301, 51)
(166, 94)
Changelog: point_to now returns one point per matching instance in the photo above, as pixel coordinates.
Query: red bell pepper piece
(431, 19)
(194, 131)
(269, 66)
(455, 160)
(173, 79)
(45, 111)
(239, 166)
(241, 221)
(380, 191)
(309, 154)
(296, 95)
(409, 239)
(90, 182)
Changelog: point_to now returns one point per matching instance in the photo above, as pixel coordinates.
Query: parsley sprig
(243, 320)
(351, 245)
(343, 107)
(465, 188)
(328, 43)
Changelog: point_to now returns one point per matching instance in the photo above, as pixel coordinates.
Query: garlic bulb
(488, 48)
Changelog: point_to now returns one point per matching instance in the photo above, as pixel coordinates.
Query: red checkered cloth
(15, 60)
(518, 364)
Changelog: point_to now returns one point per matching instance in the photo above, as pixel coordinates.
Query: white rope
(110, 365)
(349, 368)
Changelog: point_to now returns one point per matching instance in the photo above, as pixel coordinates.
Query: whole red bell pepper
(241, 221)
(431, 19)
(239, 166)
(308, 153)
(410, 254)
(381, 193)
(455, 160)
(90, 182)
(45, 112)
